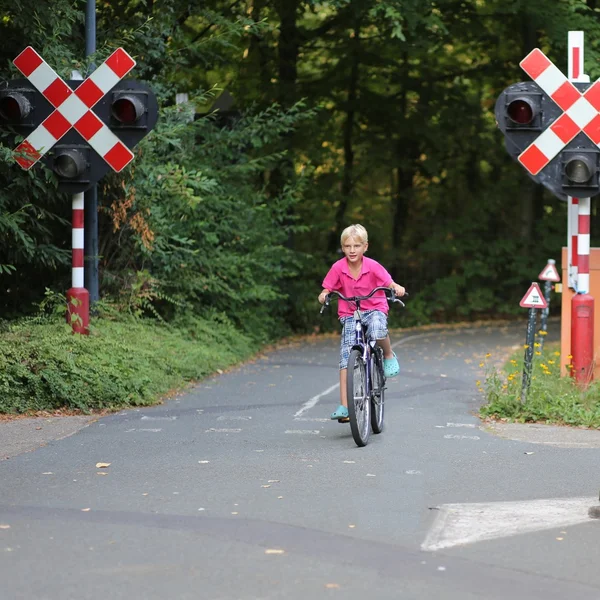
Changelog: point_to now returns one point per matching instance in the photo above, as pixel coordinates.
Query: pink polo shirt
(371, 276)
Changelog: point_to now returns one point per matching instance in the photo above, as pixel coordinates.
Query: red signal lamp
(520, 111)
(128, 109)
(14, 107)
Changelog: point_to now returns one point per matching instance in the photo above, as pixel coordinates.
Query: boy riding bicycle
(357, 275)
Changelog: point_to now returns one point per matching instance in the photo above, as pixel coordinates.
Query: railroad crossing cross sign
(73, 108)
(581, 112)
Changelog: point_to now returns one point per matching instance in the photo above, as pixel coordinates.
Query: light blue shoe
(391, 368)
(341, 412)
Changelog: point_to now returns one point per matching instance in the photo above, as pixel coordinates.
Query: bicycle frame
(363, 345)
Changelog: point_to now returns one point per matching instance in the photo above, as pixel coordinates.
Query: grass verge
(125, 362)
(552, 399)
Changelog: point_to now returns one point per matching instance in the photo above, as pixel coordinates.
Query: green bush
(125, 362)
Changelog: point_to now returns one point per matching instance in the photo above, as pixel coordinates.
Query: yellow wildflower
(538, 353)
(536, 345)
(525, 346)
(542, 332)
(551, 362)
(481, 364)
(488, 355)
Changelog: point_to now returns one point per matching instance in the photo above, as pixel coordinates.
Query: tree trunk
(288, 51)
(347, 186)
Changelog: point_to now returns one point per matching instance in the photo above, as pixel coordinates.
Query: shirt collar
(366, 266)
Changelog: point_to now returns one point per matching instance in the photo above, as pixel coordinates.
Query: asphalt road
(243, 489)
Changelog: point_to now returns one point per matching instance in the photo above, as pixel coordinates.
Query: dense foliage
(372, 111)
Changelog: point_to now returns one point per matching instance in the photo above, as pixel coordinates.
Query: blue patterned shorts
(376, 323)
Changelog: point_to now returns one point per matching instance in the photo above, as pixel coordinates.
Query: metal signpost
(548, 275)
(533, 300)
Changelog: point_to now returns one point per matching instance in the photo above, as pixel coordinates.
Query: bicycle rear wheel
(377, 391)
(359, 403)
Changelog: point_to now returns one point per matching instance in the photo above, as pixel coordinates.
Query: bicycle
(366, 376)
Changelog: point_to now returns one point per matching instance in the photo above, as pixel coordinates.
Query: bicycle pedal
(344, 420)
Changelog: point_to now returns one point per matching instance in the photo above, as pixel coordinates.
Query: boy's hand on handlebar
(323, 297)
(398, 289)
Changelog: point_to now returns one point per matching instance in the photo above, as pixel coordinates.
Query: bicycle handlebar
(390, 291)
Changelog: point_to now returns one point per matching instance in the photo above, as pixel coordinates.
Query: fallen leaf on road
(203, 462)
(48, 473)
(350, 462)
(279, 497)
(371, 475)
(560, 539)
(4, 526)
(37, 428)
(265, 486)
(351, 526)
(101, 473)
(332, 586)
(274, 551)
(273, 481)
(101, 465)
(529, 452)
(86, 509)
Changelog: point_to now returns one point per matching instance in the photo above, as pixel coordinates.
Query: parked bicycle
(366, 376)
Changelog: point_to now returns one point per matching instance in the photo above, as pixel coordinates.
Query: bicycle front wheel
(377, 391)
(359, 403)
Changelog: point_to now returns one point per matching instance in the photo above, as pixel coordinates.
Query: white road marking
(461, 437)
(316, 419)
(315, 399)
(150, 430)
(145, 418)
(459, 524)
(213, 430)
(472, 425)
(233, 418)
(304, 431)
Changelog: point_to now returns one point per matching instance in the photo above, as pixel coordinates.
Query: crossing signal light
(69, 163)
(22, 107)
(73, 165)
(128, 109)
(14, 107)
(580, 172)
(524, 111)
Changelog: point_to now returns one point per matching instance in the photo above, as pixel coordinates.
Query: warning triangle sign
(534, 298)
(549, 273)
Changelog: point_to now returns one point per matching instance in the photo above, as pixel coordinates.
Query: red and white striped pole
(78, 298)
(582, 303)
(575, 74)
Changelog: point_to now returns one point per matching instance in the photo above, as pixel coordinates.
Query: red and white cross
(580, 112)
(73, 108)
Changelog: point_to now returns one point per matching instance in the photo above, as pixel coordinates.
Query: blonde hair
(356, 231)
